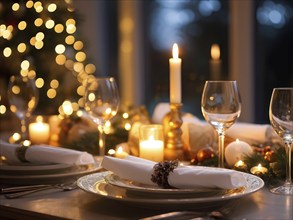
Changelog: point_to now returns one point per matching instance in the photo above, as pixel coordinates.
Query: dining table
(79, 204)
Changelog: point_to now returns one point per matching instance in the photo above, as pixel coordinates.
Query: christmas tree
(40, 40)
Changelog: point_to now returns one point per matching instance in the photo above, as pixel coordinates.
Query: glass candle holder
(151, 142)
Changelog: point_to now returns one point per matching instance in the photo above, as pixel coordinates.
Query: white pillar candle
(215, 62)
(39, 131)
(152, 150)
(236, 151)
(175, 76)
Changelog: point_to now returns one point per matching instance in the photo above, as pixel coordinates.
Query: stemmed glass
(221, 107)
(101, 102)
(23, 97)
(281, 118)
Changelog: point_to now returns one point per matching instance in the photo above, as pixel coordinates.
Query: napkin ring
(20, 153)
(162, 171)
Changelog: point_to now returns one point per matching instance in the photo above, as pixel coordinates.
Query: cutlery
(180, 215)
(20, 188)
(63, 186)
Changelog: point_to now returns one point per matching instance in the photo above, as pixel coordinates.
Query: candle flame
(237, 140)
(215, 52)
(240, 163)
(175, 51)
(259, 166)
(151, 137)
(119, 150)
(39, 119)
(111, 152)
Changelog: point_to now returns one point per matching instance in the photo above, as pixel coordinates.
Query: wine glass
(281, 118)
(221, 107)
(23, 97)
(101, 102)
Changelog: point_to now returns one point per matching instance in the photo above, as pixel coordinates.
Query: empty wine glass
(23, 97)
(281, 118)
(101, 102)
(221, 107)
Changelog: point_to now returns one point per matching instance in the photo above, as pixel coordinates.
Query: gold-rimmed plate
(97, 185)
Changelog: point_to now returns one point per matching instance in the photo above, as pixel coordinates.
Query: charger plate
(96, 184)
(20, 174)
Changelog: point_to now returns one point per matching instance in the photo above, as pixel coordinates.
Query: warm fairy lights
(52, 7)
(40, 83)
(69, 50)
(22, 25)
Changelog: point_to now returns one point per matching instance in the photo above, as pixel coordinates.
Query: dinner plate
(62, 173)
(144, 188)
(97, 185)
(29, 169)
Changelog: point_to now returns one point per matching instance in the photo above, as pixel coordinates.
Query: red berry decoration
(205, 153)
(266, 149)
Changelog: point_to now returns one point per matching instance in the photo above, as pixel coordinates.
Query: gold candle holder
(172, 123)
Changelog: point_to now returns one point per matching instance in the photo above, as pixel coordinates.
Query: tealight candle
(151, 144)
(240, 165)
(39, 131)
(120, 153)
(259, 169)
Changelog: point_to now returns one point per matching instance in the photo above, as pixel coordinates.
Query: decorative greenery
(273, 157)
(269, 155)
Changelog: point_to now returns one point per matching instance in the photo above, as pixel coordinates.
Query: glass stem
(23, 128)
(288, 163)
(221, 149)
(101, 140)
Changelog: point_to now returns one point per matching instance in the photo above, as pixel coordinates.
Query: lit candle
(175, 76)
(215, 62)
(39, 131)
(259, 169)
(120, 153)
(240, 165)
(151, 144)
(152, 150)
(236, 150)
(111, 152)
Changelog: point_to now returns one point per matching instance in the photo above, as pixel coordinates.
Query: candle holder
(172, 123)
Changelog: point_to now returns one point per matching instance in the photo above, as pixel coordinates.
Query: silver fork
(62, 186)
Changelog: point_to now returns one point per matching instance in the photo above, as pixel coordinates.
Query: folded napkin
(44, 154)
(184, 177)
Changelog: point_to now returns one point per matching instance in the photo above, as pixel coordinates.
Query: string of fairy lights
(69, 53)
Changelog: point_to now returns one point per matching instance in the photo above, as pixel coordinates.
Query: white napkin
(44, 154)
(186, 177)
